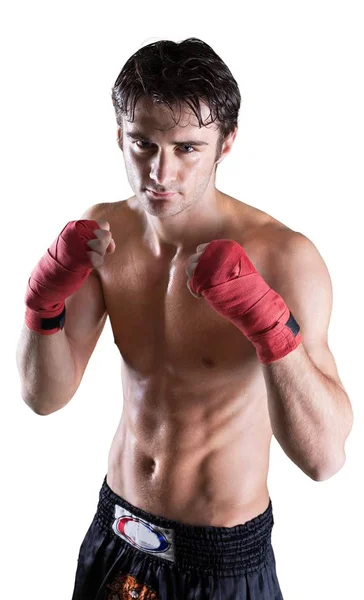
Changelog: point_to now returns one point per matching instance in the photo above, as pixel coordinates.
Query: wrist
(36, 321)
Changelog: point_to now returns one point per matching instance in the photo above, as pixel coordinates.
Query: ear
(228, 144)
(119, 138)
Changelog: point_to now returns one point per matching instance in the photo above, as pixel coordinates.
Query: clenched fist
(103, 244)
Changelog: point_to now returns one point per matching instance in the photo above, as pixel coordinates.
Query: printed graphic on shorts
(126, 587)
(144, 535)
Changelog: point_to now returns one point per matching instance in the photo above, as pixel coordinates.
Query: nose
(163, 170)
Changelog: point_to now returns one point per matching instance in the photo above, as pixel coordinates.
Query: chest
(158, 325)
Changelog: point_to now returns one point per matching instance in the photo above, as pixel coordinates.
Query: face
(163, 156)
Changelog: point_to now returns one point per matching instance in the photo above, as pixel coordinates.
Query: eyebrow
(141, 136)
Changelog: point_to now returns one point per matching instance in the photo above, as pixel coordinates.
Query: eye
(145, 147)
(141, 142)
(188, 146)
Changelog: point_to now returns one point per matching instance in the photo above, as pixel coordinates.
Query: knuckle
(103, 234)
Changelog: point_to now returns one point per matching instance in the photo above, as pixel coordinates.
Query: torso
(194, 436)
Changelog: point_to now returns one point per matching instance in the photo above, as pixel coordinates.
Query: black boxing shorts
(129, 554)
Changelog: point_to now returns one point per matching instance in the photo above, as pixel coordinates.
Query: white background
(298, 156)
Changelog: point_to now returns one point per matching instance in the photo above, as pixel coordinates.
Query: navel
(208, 362)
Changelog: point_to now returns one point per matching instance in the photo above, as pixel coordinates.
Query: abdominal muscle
(187, 459)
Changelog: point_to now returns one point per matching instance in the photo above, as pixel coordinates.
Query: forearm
(310, 413)
(47, 370)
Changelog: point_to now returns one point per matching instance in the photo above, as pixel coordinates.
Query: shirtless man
(220, 313)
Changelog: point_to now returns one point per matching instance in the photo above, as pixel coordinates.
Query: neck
(180, 228)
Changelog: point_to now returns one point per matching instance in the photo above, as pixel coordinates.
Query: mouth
(161, 194)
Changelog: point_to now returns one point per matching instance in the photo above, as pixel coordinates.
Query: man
(220, 313)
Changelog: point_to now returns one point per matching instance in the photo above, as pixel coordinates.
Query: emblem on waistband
(143, 535)
(126, 587)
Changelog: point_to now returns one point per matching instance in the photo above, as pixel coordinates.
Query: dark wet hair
(179, 72)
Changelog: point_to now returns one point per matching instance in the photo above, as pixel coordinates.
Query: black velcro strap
(292, 324)
(53, 322)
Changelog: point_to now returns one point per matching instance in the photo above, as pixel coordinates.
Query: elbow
(41, 413)
(35, 407)
(38, 405)
(45, 404)
(324, 473)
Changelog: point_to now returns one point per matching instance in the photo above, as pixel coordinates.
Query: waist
(226, 550)
(210, 490)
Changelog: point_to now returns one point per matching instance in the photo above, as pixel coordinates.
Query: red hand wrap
(228, 280)
(59, 273)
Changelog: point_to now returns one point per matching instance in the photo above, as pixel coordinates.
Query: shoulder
(95, 212)
(291, 253)
(287, 259)
(253, 222)
(102, 209)
(117, 213)
(279, 244)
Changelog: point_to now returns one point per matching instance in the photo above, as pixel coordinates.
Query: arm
(46, 368)
(286, 317)
(51, 366)
(310, 412)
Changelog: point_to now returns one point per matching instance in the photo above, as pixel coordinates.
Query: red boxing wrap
(228, 280)
(59, 273)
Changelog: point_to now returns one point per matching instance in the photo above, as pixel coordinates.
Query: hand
(192, 264)
(103, 244)
(62, 270)
(233, 287)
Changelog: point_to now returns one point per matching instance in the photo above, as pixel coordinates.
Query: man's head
(170, 92)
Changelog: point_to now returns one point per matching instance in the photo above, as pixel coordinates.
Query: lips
(161, 194)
